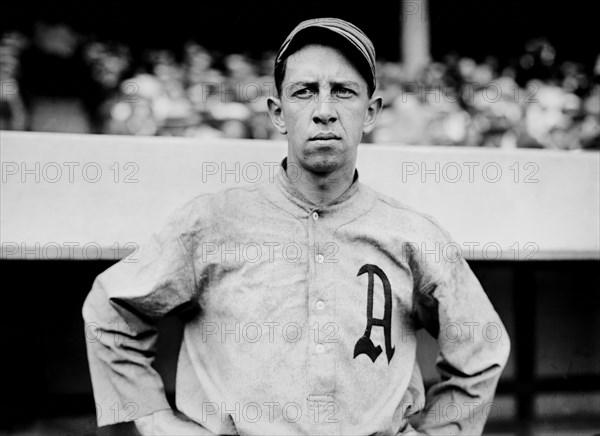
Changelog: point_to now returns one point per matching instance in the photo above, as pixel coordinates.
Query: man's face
(324, 108)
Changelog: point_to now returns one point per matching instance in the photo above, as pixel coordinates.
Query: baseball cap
(345, 34)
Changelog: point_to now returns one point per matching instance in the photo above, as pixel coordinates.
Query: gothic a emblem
(365, 345)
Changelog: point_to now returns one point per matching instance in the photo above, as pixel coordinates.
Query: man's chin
(323, 164)
(324, 160)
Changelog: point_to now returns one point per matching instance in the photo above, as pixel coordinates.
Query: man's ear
(375, 105)
(274, 105)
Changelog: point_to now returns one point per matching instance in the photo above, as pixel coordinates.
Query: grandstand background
(518, 80)
(517, 74)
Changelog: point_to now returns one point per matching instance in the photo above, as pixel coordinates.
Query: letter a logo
(365, 345)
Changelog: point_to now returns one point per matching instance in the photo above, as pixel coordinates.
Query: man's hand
(166, 422)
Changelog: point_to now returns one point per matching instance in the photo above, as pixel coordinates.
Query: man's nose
(325, 111)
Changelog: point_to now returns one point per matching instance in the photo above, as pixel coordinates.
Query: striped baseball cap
(343, 33)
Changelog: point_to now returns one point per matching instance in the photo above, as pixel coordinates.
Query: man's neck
(323, 188)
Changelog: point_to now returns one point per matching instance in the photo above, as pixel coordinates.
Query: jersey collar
(283, 193)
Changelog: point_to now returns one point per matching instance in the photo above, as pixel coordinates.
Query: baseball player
(301, 295)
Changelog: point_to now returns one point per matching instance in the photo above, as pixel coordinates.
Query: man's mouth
(325, 137)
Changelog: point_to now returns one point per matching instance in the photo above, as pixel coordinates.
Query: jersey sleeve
(474, 345)
(120, 315)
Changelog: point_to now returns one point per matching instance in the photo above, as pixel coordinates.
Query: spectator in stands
(12, 110)
(56, 81)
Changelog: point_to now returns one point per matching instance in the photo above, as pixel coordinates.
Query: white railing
(97, 196)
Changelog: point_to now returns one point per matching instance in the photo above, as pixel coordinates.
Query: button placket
(322, 365)
(319, 257)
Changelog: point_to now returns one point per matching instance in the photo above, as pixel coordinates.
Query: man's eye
(343, 92)
(303, 93)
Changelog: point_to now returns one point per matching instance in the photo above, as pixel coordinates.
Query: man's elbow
(91, 302)
(502, 348)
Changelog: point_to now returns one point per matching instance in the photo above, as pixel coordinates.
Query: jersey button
(320, 348)
(315, 216)
(320, 258)
(320, 304)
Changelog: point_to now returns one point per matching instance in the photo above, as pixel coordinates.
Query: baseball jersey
(299, 319)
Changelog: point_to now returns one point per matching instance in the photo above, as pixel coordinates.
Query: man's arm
(474, 348)
(120, 315)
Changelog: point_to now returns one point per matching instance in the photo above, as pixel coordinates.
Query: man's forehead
(315, 50)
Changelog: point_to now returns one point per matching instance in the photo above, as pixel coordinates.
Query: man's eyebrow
(303, 83)
(346, 83)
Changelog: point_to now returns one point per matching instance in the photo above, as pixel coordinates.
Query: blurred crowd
(59, 80)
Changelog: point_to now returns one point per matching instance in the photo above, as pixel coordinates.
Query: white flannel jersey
(299, 319)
